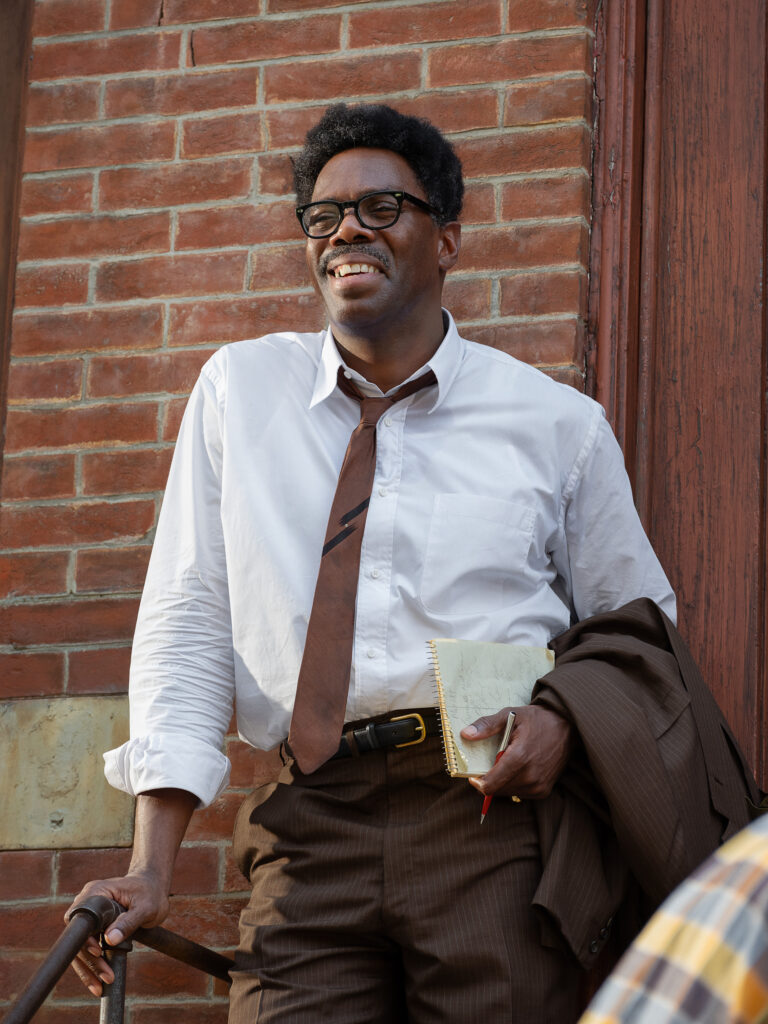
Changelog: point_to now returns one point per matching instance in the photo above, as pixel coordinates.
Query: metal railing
(92, 917)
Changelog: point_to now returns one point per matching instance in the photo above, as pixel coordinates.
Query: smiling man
(336, 500)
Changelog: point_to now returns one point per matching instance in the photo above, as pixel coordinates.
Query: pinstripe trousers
(378, 898)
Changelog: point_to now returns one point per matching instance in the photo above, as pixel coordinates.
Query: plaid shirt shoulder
(703, 956)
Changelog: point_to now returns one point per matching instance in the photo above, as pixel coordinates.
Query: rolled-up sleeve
(182, 674)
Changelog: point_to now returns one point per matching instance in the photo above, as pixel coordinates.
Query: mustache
(362, 249)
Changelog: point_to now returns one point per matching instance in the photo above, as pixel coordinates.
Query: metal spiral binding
(446, 734)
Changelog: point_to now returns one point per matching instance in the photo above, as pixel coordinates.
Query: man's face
(396, 272)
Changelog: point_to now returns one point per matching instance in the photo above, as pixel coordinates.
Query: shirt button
(348, 375)
(375, 574)
(371, 653)
(382, 492)
(388, 421)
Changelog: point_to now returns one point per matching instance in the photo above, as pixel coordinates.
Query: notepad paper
(475, 679)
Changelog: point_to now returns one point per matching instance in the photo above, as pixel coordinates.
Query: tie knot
(372, 408)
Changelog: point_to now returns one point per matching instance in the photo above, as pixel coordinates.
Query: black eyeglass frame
(354, 204)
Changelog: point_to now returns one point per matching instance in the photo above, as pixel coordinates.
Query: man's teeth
(354, 268)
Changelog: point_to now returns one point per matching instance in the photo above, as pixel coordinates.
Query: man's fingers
(488, 725)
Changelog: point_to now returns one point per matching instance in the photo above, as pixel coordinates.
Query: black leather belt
(401, 730)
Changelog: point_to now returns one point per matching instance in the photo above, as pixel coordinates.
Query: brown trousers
(378, 898)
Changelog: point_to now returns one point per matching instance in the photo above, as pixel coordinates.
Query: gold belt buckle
(419, 725)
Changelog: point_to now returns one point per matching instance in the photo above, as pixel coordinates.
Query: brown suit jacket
(656, 783)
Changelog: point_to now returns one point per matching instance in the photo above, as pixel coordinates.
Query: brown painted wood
(696, 337)
(15, 32)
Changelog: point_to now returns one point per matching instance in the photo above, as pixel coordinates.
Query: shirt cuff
(168, 761)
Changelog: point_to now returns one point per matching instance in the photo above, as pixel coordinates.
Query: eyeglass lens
(379, 210)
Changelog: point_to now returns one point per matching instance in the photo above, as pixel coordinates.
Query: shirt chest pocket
(476, 554)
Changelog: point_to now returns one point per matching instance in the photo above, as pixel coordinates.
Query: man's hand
(146, 903)
(538, 750)
(162, 816)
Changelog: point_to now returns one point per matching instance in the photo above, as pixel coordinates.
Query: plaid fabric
(703, 957)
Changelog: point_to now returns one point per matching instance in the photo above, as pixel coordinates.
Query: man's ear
(449, 245)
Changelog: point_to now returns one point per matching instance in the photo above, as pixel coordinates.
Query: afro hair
(376, 126)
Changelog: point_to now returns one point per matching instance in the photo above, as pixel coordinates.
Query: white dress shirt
(500, 511)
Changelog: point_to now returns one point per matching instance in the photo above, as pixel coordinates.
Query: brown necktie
(323, 685)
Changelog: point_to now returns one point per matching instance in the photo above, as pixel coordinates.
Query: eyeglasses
(375, 210)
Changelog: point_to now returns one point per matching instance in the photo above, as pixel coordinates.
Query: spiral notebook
(475, 679)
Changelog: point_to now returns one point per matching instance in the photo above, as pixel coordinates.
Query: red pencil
(502, 747)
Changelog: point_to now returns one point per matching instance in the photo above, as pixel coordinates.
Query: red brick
(234, 880)
(54, 380)
(573, 376)
(69, 622)
(155, 974)
(98, 329)
(32, 926)
(455, 19)
(25, 874)
(217, 820)
(338, 78)
(78, 522)
(201, 1013)
(213, 922)
(278, 266)
(174, 185)
(111, 55)
(78, 427)
(94, 236)
(99, 670)
(51, 476)
(546, 343)
(534, 149)
(31, 573)
(142, 374)
(196, 870)
(541, 294)
(479, 204)
(506, 60)
(125, 472)
(232, 320)
(231, 133)
(566, 196)
(251, 767)
(236, 225)
(51, 286)
(70, 193)
(275, 174)
(58, 104)
(559, 99)
(140, 13)
(82, 1013)
(284, 6)
(524, 245)
(111, 570)
(265, 40)
(60, 148)
(31, 675)
(15, 971)
(181, 94)
(458, 111)
(288, 127)
(172, 414)
(468, 299)
(171, 276)
(62, 17)
(533, 15)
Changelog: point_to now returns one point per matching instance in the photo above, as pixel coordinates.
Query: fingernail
(477, 783)
(470, 730)
(114, 936)
(106, 979)
(94, 990)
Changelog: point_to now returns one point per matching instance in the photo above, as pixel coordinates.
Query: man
(498, 510)
(703, 956)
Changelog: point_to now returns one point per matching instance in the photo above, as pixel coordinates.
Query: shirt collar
(444, 364)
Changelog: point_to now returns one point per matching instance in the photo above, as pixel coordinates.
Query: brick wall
(157, 224)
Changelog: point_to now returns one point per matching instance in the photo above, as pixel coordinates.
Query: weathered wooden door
(679, 314)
